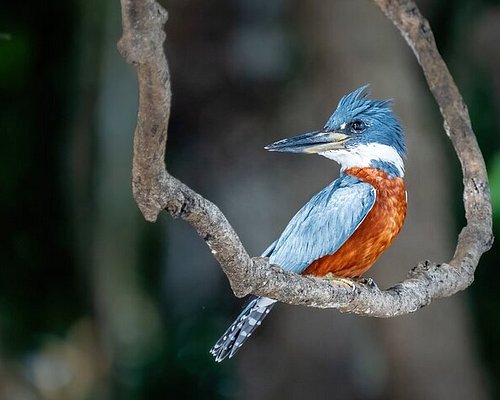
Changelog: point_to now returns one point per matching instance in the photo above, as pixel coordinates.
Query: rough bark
(155, 189)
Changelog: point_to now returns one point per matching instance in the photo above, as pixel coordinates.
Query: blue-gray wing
(324, 224)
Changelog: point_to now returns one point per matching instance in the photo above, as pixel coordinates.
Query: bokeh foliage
(46, 290)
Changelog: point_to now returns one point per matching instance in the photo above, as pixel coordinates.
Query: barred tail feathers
(240, 330)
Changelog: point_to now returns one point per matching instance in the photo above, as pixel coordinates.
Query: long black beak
(311, 142)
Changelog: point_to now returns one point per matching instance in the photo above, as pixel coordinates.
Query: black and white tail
(240, 330)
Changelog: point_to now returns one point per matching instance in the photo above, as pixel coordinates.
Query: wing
(267, 252)
(324, 224)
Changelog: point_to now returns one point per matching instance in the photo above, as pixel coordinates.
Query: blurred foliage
(48, 316)
(494, 175)
(52, 334)
(39, 291)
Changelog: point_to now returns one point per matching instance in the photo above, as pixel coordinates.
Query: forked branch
(156, 190)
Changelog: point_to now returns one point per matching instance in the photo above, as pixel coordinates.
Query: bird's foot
(367, 282)
(334, 278)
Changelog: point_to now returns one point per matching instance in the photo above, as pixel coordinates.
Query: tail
(240, 330)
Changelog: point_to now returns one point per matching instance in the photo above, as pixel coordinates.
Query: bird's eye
(357, 126)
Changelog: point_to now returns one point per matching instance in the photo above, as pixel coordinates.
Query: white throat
(363, 155)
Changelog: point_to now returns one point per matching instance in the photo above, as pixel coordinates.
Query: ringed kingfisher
(345, 227)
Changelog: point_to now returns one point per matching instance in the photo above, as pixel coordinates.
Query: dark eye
(357, 126)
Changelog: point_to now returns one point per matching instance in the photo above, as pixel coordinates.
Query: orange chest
(374, 234)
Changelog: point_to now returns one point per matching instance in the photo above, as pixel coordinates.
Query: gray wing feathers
(242, 328)
(267, 252)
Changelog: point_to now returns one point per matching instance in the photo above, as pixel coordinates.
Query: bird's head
(360, 133)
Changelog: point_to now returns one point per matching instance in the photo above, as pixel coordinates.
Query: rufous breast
(374, 234)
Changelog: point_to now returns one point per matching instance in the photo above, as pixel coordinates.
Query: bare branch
(155, 189)
(477, 236)
(142, 45)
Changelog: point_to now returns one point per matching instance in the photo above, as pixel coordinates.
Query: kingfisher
(345, 227)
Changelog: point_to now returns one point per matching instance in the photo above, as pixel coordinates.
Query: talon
(334, 278)
(367, 282)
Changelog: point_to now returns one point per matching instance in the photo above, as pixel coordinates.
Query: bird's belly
(375, 233)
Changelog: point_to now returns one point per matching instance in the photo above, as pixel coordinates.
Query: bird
(343, 229)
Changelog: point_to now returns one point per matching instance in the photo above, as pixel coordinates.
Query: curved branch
(476, 237)
(155, 189)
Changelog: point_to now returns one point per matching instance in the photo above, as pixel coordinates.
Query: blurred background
(95, 303)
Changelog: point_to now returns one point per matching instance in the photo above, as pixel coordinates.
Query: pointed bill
(311, 142)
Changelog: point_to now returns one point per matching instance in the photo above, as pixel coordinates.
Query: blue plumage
(320, 227)
(323, 224)
(377, 115)
(360, 133)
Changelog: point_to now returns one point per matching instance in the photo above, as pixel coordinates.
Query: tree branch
(155, 189)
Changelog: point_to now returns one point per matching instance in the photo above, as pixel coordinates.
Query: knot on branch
(480, 186)
(422, 268)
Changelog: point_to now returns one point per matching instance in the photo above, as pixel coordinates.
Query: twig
(155, 189)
